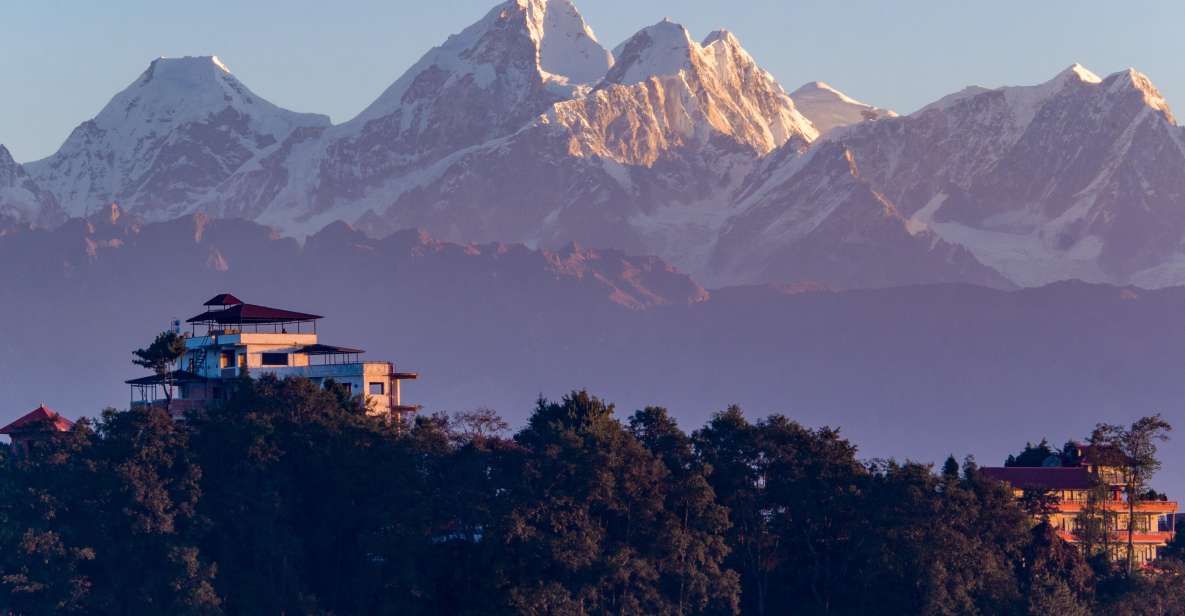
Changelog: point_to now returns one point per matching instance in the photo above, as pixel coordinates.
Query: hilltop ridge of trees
(290, 498)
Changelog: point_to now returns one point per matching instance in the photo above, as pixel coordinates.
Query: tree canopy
(290, 498)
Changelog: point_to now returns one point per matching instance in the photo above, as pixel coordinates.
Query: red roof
(1042, 477)
(40, 419)
(223, 299)
(251, 313)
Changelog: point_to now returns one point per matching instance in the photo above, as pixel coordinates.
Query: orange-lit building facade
(1091, 493)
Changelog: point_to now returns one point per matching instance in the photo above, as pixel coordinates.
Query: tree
(161, 357)
(1054, 577)
(795, 501)
(150, 484)
(599, 524)
(306, 494)
(932, 546)
(729, 445)
(1094, 523)
(45, 555)
(950, 468)
(692, 568)
(1039, 503)
(1032, 455)
(1134, 449)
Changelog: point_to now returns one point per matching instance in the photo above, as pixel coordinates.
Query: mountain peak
(1131, 79)
(184, 69)
(723, 36)
(1080, 73)
(568, 47)
(516, 44)
(828, 108)
(821, 90)
(178, 129)
(664, 49)
(173, 90)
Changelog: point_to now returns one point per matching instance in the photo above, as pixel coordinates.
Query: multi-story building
(1089, 504)
(232, 337)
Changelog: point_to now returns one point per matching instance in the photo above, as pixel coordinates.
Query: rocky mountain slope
(1079, 177)
(21, 199)
(816, 217)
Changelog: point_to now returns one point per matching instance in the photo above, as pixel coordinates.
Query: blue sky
(62, 60)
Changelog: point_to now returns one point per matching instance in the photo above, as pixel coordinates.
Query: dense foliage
(291, 499)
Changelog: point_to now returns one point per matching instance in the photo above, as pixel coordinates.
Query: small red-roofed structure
(39, 424)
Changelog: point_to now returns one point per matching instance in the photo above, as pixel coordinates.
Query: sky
(62, 60)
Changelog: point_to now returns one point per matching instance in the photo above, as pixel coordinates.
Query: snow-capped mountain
(828, 108)
(167, 140)
(21, 199)
(645, 161)
(523, 128)
(1078, 177)
(484, 83)
(739, 98)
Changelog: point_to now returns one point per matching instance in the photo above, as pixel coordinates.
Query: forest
(289, 498)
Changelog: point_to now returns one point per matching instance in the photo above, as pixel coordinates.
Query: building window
(378, 389)
(327, 383)
(274, 359)
(226, 359)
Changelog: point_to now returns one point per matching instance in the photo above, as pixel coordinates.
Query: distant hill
(928, 370)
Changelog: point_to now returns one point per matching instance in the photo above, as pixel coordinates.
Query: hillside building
(1091, 492)
(37, 425)
(231, 337)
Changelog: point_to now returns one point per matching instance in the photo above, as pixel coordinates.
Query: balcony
(1121, 506)
(239, 338)
(177, 408)
(1120, 536)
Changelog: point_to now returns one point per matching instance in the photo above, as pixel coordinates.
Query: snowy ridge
(751, 103)
(828, 108)
(1074, 178)
(1026, 101)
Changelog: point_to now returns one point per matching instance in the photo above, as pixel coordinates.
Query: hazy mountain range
(524, 128)
(972, 369)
